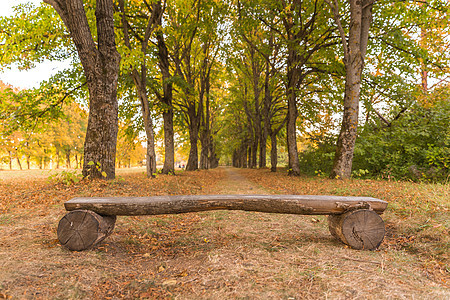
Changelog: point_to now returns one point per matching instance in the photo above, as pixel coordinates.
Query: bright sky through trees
(29, 78)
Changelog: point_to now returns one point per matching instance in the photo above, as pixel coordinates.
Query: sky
(30, 78)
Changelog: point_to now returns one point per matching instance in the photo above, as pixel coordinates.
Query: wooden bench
(355, 221)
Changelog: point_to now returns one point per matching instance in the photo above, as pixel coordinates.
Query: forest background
(208, 81)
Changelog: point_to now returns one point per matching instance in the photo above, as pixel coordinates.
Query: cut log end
(82, 229)
(360, 229)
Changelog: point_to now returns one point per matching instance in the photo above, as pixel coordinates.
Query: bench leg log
(360, 229)
(82, 229)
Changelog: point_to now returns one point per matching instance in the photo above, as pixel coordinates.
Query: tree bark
(10, 159)
(291, 124)
(68, 166)
(266, 118)
(354, 52)
(293, 80)
(140, 81)
(273, 152)
(192, 163)
(100, 62)
(164, 66)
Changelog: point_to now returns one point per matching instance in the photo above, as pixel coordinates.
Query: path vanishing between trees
(235, 183)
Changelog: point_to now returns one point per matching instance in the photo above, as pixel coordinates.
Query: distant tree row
(56, 143)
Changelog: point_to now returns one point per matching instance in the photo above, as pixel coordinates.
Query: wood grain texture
(287, 204)
(360, 229)
(82, 229)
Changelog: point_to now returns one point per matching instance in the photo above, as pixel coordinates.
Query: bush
(415, 147)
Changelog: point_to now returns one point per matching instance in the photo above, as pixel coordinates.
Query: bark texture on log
(82, 229)
(360, 229)
(288, 204)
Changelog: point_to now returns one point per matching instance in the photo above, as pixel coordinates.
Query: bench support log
(82, 229)
(359, 229)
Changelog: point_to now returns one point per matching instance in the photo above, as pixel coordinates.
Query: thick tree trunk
(354, 53)
(204, 153)
(100, 61)
(169, 146)
(192, 163)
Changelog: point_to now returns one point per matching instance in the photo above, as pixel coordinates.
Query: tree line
(228, 77)
(58, 143)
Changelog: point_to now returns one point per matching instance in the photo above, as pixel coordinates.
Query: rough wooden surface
(360, 229)
(287, 204)
(82, 229)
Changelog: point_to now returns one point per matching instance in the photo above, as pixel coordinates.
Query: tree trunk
(28, 162)
(57, 158)
(100, 61)
(273, 152)
(354, 53)
(192, 163)
(18, 162)
(169, 146)
(164, 65)
(68, 159)
(293, 164)
(140, 81)
(292, 113)
(266, 117)
(10, 159)
(204, 153)
(194, 115)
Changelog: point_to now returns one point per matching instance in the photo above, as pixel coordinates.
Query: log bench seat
(355, 221)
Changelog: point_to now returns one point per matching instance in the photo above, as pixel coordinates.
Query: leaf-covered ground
(222, 254)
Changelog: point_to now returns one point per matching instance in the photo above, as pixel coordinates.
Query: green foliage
(66, 177)
(416, 146)
(317, 158)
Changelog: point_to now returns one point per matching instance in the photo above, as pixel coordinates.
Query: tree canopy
(316, 81)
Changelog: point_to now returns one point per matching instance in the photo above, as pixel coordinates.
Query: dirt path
(235, 183)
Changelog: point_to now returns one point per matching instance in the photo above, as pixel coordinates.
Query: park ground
(222, 254)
